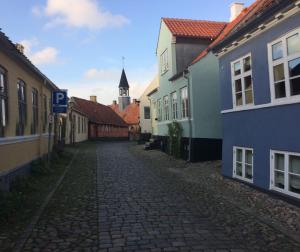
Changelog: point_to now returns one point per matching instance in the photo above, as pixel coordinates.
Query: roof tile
(194, 28)
(98, 113)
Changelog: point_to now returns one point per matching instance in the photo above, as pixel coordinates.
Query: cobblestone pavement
(70, 221)
(115, 200)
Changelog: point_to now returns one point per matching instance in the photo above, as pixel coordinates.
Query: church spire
(123, 81)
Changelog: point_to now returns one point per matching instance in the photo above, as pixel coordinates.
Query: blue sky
(79, 44)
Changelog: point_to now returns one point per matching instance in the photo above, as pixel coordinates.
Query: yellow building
(25, 105)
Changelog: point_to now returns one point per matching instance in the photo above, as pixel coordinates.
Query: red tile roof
(244, 17)
(194, 28)
(131, 114)
(98, 113)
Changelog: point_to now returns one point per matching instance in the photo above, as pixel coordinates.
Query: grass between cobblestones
(27, 194)
(211, 198)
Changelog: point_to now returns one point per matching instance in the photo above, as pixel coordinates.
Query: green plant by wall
(175, 134)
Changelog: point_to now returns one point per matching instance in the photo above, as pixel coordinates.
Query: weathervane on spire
(123, 61)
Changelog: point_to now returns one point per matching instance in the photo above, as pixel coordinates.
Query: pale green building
(188, 89)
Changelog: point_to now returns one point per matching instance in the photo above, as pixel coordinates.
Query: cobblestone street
(113, 199)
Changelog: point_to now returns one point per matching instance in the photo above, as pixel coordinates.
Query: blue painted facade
(263, 129)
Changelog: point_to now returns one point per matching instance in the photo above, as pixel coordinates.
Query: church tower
(124, 98)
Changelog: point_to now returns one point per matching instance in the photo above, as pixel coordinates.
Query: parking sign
(59, 101)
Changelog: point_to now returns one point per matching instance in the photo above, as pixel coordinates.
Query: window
(34, 100)
(3, 100)
(174, 106)
(164, 67)
(45, 113)
(285, 172)
(159, 110)
(243, 163)
(21, 88)
(184, 102)
(146, 112)
(166, 108)
(242, 85)
(284, 66)
(78, 120)
(82, 125)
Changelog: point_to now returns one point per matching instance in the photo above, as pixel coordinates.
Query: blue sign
(59, 101)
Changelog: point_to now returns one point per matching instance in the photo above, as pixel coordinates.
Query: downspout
(150, 117)
(187, 77)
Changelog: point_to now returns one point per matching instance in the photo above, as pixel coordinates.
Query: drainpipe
(187, 77)
(149, 99)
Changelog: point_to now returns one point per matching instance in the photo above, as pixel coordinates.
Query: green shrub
(175, 134)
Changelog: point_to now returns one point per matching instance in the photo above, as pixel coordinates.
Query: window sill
(291, 194)
(243, 179)
(20, 139)
(261, 106)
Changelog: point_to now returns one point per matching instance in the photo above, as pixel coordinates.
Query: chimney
(20, 48)
(235, 10)
(114, 102)
(93, 98)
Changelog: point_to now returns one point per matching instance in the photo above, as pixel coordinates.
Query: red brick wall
(108, 131)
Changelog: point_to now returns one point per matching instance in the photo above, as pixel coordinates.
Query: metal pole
(49, 131)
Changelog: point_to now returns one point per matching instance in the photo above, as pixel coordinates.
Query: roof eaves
(252, 24)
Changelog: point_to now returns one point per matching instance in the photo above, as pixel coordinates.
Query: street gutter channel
(24, 237)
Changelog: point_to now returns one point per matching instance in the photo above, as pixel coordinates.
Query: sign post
(59, 105)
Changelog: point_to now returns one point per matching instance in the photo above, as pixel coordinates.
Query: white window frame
(242, 77)
(184, 103)
(159, 110)
(284, 60)
(243, 177)
(174, 105)
(286, 172)
(166, 108)
(164, 64)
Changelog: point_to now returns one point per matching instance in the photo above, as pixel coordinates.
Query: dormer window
(164, 66)
(284, 66)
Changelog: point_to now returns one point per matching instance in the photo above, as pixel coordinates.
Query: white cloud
(79, 14)
(47, 55)
(37, 11)
(104, 83)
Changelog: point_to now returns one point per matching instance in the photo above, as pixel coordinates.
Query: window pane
(249, 155)
(238, 85)
(3, 113)
(279, 179)
(248, 171)
(239, 99)
(295, 86)
(278, 72)
(1, 82)
(293, 44)
(294, 184)
(239, 169)
(294, 67)
(279, 162)
(239, 155)
(237, 68)
(280, 89)
(249, 97)
(247, 64)
(248, 82)
(277, 51)
(294, 164)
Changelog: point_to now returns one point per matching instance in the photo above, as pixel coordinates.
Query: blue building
(259, 61)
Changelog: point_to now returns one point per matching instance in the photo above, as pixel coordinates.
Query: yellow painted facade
(79, 133)
(16, 151)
